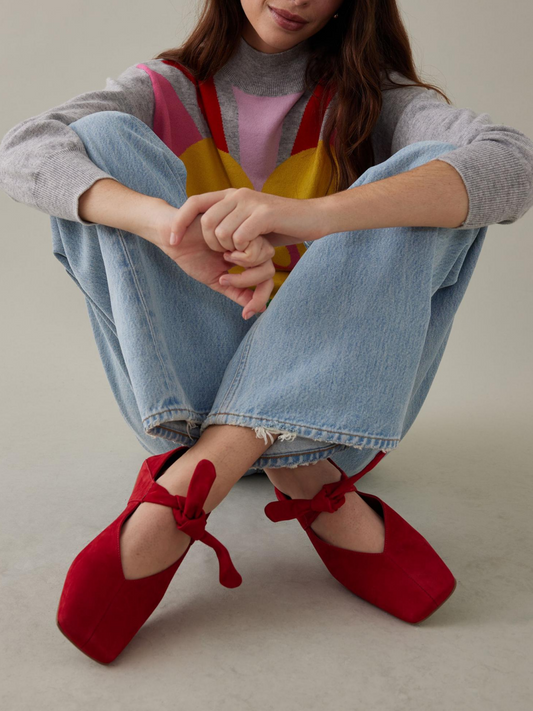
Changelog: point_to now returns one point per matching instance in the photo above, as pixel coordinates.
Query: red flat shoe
(408, 579)
(100, 611)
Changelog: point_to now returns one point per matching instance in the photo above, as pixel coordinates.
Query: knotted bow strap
(330, 497)
(191, 518)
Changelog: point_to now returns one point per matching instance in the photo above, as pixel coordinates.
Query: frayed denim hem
(182, 426)
(299, 458)
(169, 424)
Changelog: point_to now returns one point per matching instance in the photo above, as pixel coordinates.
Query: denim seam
(287, 459)
(301, 453)
(171, 429)
(295, 460)
(228, 398)
(178, 414)
(371, 438)
(162, 434)
(106, 318)
(273, 456)
(143, 302)
(177, 410)
(68, 269)
(176, 432)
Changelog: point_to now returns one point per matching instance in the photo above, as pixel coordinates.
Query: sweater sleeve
(43, 162)
(495, 161)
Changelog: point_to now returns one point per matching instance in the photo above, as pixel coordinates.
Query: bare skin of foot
(149, 539)
(355, 526)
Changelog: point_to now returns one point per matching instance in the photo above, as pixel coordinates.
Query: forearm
(432, 195)
(108, 202)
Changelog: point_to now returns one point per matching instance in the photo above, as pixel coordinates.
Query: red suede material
(100, 611)
(329, 498)
(408, 579)
(153, 467)
(191, 518)
(379, 581)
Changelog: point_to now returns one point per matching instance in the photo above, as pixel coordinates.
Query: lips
(288, 15)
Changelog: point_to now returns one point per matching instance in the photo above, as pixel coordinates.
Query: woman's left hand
(233, 218)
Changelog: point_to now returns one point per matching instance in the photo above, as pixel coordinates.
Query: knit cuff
(498, 189)
(61, 179)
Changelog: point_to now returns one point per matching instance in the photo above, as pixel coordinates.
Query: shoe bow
(330, 497)
(191, 518)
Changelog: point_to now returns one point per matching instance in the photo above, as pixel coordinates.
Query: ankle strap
(191, 518)
(330, 497)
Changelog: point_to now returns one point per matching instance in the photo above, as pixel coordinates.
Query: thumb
(175, 239)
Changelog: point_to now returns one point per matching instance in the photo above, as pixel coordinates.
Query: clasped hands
(241, 227)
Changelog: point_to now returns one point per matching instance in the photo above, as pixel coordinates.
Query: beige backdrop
(462, 475)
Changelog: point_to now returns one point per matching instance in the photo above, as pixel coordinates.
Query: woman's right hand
(199, 261)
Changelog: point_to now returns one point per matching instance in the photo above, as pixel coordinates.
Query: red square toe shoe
(408, 579)
(100, 611)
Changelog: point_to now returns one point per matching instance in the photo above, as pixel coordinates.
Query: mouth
(287, 19)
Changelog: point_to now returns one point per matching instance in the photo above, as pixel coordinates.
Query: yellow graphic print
(303, 175)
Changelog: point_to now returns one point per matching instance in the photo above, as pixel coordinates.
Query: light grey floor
(290, 637)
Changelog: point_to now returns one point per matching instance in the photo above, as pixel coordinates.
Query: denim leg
(343, 358)
(164, 338)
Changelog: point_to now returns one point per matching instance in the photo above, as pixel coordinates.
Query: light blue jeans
(340, 362)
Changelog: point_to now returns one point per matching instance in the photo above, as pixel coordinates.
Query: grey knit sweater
(257, 119)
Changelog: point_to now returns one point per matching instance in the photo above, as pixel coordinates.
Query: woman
(230, 163)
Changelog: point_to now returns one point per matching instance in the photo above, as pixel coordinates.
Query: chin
(278, 41)
(273, 44)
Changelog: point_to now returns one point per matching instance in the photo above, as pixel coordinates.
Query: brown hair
(349, 57)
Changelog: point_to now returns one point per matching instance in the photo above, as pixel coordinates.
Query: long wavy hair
(349, 56)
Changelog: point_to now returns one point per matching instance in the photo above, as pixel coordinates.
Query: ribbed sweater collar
(267, 74)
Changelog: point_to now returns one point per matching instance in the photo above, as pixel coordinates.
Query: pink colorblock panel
(260, 125)
(172, 122)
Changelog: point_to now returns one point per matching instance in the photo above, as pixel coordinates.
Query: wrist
(109, 202)
(326, 216)
(152, 220)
